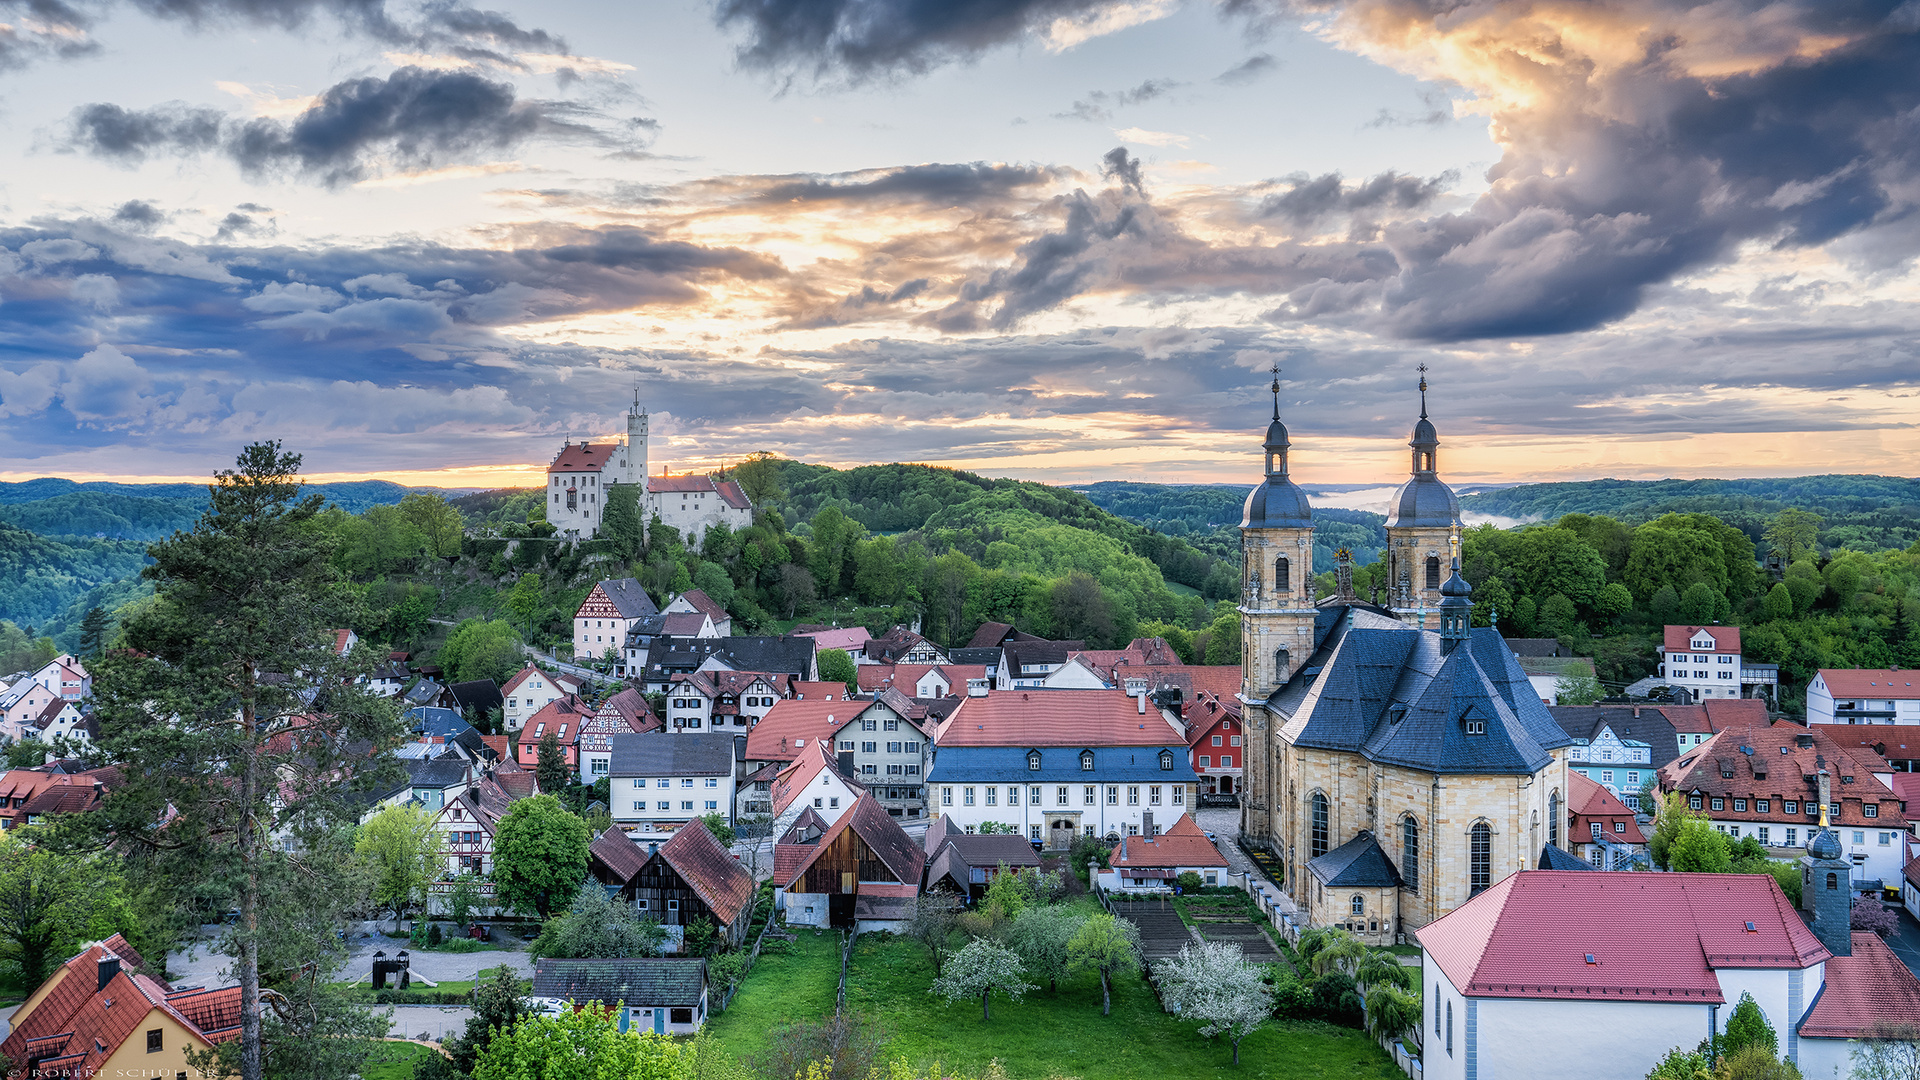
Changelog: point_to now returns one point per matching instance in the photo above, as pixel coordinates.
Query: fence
(846, 955)
(753, 956)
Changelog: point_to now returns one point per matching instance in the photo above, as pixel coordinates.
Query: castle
(582, 474)
(1398, 762)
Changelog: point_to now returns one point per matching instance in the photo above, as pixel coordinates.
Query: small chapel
(1398, 762)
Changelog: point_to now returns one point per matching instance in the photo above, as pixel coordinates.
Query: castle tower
(1421, 519)
(1826, 882)
(636, 457)
(1276, 539)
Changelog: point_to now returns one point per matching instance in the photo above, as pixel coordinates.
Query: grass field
(1045, 1036)
(393, 1061)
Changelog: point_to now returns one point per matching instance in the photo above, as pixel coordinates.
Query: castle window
(1433, 571)
(1282, 579)
(1317, 843)
(1479, 859)
(1410, 853)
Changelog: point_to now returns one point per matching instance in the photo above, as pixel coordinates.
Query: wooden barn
(678, 882)
(861, 869)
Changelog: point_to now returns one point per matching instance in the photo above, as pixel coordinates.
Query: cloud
(413, 119)
(31, 30)
(138, 214)
(1099, 105)
(1307, 200)
(860, 39)
(1249, 71)
(1150, 138)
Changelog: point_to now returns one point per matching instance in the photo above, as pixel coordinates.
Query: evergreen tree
(552, 770)
(244, 741)
(1748, 1027)
(93, 631)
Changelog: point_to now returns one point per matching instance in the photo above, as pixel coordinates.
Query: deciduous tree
(836, 666)
(1793, 533)
(1212, 983)
(577, 1044)
(1041, 935)
(598, 925)
(51, 902)
(1107, 945)
(979, 969)
(540, 855)
(402, 850)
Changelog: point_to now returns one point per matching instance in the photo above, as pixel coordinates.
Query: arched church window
(1433, 571)
(1282, 579)
(1410, 853)
(1317, 842)
(1281, 660)
(1553, 819)
(1357, 905)
(1479, 859)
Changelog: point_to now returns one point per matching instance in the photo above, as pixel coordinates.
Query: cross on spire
(1276, 391)
(1423, 391)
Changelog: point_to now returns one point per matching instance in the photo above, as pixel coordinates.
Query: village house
(677, 882)
(659, 781)
(530, 690)
(21, 706)
(885, 746)
(1759, 779)
(812, 781)
(1057, 764)
(723, 699)
(967, 862)
(1154, 862)
(66, 677)
(655, 665)
(562, 718)
(467, 824)
(1651, 962)
(859, 872)
(1601, 828)
(901, 646)
(1706, 661)
(601, 622)
(795, 723)
(920, 680)
(34, 796)
(101, 1014)
(624, 713)
(1215, 739)
(697, 602)
(664, 995)
(1624, 747)
(1876, 696)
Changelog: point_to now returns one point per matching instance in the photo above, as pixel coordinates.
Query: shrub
(434, 936)
(1189, 881)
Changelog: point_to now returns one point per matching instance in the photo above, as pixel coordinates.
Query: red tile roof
(1653, 937)
(798, 776)
(818, 691)
(792, 723)
(1898, 684)
(1183, 844)
(79, 1024)
(522, 676)
(614, 857)
(729, 491)
(705, 605)
(906, 677)
(1725, 638)
(565, 714)
(1588, 799)
(1704, 769)
(1055, 718)
(582, 457)
(1864, 991)
(883, 835)
(710, 870)
(849, 639)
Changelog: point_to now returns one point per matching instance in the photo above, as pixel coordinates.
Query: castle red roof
(1652, 937)
(582, 457)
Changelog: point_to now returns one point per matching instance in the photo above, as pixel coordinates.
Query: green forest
(470, 578)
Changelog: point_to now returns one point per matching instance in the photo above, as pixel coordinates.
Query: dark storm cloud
(862, 38)
(1249, 71)
(1099, 105)
(1309, 199)
(414, 118)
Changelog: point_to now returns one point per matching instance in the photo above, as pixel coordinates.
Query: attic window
(1751, 929)
(1592, 961)
(1033, 761)
(1166, 761)
(1086, 761)
(1476, 727)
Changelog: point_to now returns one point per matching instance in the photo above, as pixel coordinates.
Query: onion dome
(1279, 502)
(1825, 844)
(1424, 501)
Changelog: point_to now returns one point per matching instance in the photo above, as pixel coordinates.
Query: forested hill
(106, 510)
(1208, 516)
(1861, 513)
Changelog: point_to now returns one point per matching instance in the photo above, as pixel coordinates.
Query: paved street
(1905, 942)
(203, 967)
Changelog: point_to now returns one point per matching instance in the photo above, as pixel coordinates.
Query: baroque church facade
(1398, 762)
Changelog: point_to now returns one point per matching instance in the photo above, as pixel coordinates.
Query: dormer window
(1086, 761)
(1476, 727)
(1033, 760)
(1166, 761)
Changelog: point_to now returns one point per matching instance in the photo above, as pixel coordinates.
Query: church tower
(1276, 600)
(1421, 520)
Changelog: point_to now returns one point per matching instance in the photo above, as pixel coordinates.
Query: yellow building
(100, 1015)
(1398, 762)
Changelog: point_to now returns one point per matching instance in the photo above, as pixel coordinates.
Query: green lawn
(783, 987)
(393, 1061)
(1062, 1034)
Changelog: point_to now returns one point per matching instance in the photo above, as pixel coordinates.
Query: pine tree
(551, 770)
(93, 631)
(244, 741)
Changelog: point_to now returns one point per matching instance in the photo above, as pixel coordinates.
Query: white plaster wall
(1826, 1059)
(1120, 819)
(796, 905)
(1769, 990)
(1592, 1040)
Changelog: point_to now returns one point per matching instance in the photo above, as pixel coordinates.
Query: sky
(1065, 240)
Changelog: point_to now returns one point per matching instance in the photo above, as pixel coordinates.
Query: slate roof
(709, 870)
(614, 857)
(1582, 723)
(1553, 858)
(1183, 844)
(990, 635)
(441, 772)
(649, 982)
(1061, 765)
(1536, 646)
(1357, 864)
(480, 694)
(1388, 691)
(1653, 937)
(779, 655)
(1055, 718)
(985, 656)
(1868, 989)
(627, 596)
(661, 753)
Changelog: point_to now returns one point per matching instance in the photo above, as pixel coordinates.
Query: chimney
(1146, 824)
(109, 967)
(1143, 703)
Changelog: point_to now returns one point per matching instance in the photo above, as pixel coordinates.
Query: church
(581, 475)
(1398, 762)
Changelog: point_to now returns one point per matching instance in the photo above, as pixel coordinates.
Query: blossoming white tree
(1214, 984)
